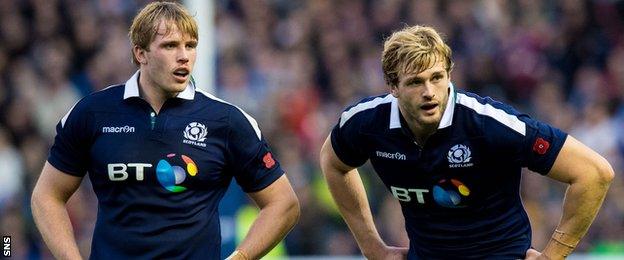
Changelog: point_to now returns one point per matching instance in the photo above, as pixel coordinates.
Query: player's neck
(421, 132)
(151, 93)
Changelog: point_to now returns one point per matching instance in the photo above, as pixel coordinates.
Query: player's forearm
(274, 221)
(53, 222)
(581, 204)
(350, 196)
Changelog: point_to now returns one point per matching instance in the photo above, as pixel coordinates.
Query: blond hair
(413, 50)
(145, 24)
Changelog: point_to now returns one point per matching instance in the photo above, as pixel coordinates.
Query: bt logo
(403, 194)
(447, 193)
(168, 171)
(170, 176)
(119, 171)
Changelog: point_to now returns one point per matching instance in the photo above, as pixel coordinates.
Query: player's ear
(139, 54)
(394, 90)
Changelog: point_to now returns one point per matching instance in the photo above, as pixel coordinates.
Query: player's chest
(163, 149)
(402, 159)
(447, 173)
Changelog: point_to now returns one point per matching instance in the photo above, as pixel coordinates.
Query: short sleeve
(523, 140)
(253, 164)
(70, 151)
(541, 145)
(347, 142)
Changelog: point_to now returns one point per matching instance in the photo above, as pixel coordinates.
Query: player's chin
(428, 119)
(179, 86)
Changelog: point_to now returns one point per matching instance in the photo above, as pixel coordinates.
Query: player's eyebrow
(174, 42)
(436, 73)
(415, 78)
(192, 42)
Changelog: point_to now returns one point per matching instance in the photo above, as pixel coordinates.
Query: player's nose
(428, 90)
(183, 55)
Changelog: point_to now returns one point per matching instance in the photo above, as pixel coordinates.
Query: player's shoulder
(101, 99)
(479, 103)
(216, 105)
(367, 110)
(97, 101)
(233, 114)
(488, 111)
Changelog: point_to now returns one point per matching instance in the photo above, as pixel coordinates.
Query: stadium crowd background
(294, 65)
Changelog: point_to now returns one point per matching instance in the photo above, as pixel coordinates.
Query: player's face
(168, 63)
(422, 97)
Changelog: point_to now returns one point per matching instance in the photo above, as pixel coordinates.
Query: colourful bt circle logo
(449, 193)
(171, 176)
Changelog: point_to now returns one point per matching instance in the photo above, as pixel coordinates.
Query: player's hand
(390, 252)
(533, 254)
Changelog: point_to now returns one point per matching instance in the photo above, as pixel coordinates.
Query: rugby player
(453, 161)
(160, 154)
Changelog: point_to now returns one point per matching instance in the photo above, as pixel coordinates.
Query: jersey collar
(131, 88)
(447, 117)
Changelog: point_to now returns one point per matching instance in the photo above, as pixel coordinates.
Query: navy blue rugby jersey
(159, 177)
(459, 191)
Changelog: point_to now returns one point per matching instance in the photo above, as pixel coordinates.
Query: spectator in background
(10, 172)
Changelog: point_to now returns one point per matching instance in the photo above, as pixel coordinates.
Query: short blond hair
(413, 50)
(145, 24)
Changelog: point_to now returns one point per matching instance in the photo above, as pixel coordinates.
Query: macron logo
(393, 156)
(118, 129)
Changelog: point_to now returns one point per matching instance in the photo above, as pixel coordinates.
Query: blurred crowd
(294, 65)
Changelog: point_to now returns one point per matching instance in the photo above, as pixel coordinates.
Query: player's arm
(589, 176)
(279, 211)
(49, 196)
(348, 191)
